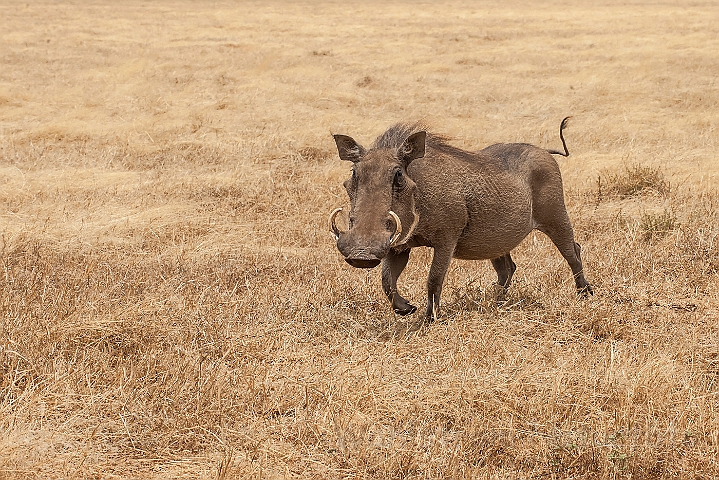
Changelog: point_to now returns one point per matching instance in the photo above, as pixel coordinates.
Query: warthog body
(411, 188)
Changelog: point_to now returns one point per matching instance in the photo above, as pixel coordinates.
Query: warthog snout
(363, 249)
(359, 262)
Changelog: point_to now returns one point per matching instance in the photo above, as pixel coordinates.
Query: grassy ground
(171, 304)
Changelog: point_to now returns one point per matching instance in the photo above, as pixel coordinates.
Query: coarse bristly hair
(395, 135)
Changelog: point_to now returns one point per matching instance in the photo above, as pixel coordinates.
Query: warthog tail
(564, 124)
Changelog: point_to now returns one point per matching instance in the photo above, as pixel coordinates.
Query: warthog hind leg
(563, 239)
(392, 266)
(505, 268)
(583, 287)
(440, 264)
(550, 216)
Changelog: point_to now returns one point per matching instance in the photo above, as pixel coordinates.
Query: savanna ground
(172, 306)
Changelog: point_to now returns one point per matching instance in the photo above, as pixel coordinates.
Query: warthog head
(382, 213)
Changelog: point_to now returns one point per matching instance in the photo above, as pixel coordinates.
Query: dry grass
(171, 305)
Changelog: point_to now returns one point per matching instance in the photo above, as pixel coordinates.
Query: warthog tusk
(333, 227)
(409, 232)
(397, 230)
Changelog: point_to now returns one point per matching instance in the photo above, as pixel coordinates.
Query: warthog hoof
(585, 291)
(500, 294)
(405, 310)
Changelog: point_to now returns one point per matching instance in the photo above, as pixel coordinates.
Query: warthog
(412, 188)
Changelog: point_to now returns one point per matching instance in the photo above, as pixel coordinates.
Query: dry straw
(171, 305)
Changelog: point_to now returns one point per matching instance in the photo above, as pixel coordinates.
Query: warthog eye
(399, 180)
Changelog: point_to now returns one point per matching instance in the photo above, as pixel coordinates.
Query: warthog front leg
(392, 266)
(440, 264)
(505, 268)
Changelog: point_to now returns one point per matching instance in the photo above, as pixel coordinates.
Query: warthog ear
(348, 149)
(412, 148)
